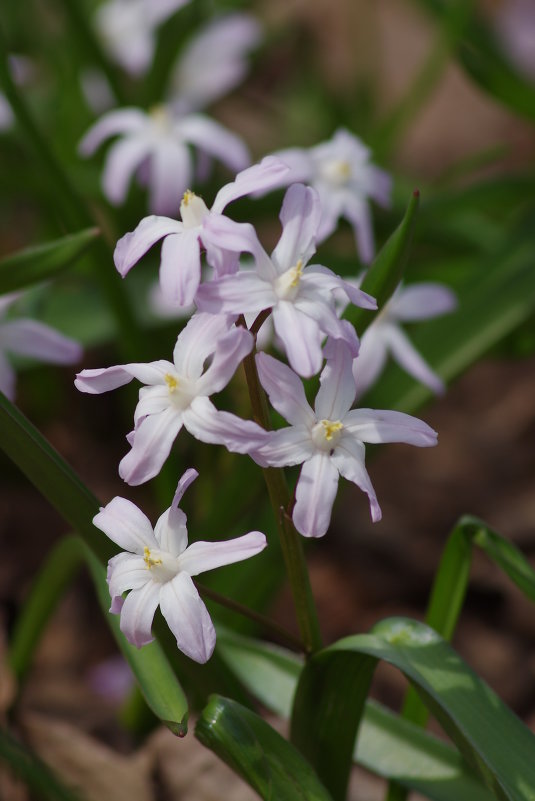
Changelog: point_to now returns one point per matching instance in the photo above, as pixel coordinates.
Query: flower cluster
(217, 272)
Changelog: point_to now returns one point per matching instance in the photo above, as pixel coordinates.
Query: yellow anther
(344, 169)
(296, 273)
(331, 428)
(171, 382)
(188, 197)
(147, 558)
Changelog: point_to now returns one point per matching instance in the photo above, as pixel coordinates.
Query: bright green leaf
(492, 739)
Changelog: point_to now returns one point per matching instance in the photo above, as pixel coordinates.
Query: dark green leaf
(252, 748)
(387, 270)
(42, 262)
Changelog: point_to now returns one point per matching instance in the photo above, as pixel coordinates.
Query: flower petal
(287, 446)
(357, 211)
(337, 385)
(124, 523)
(170, 176)
(122, 160)
(231, 349)
(261, 177)
(236, 294)
(104, 379)
(349, 460)
(137, 613)
(237, 238)
(133, 245)
(170, 530)
(382, 425)
(188, 618)
(371, 358)
(216, 140)
(300, 216)
(207, 424)
(421, 302)
(40, 341)
(203, 556)
(180, 267)
(314, 495)
(285, 390)
(151, 445)
(126, 571)
(125, 120)
(406, 355)
(152, 400)
(301, 337)
(197, 341)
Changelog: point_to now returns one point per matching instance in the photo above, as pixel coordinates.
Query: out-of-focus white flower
(180, 265)
(329, 440)
(514, 23)
(33, 339)
(300, 296)
(341, 172)
(385, 335)
(159, 141)
(214, 61)
(157, 568)
(177, 394)
(127, 29)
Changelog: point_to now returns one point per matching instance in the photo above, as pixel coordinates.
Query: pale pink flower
(301, 297)
(128, 29)
(514, 23)
(386, 336)
(177, 394)
(329, 439)
(341, 172)
(180, 265)
(157, 567)
(214, 61)
(157, 145)
(23, 337)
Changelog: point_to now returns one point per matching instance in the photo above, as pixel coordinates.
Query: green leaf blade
(254, 750)
(42, 262)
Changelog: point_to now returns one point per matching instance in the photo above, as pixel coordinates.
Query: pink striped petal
(188, 618)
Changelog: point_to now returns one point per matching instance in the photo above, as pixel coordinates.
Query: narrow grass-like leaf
(485, 61)
(387, 270)
(52, 476)
(492, 739)
(387, 745)
(150, 666)
(42, 262)
(254, 750)
(39, 779)
(54, 577)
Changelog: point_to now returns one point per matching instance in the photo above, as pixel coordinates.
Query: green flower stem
(55, 575)
(76, 214)
(290, 539)
(85, 33)
(267, 624)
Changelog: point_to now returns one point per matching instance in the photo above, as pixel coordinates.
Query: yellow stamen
(171, 382)
(296, 273)
(330, 428)
(147, 558)
(188, 197)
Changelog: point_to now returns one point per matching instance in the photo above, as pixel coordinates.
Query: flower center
(326, 434)
(180, 393)
(162, 565)
(287, 284)
(161, 119)
(193, 210)
(336, 171)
